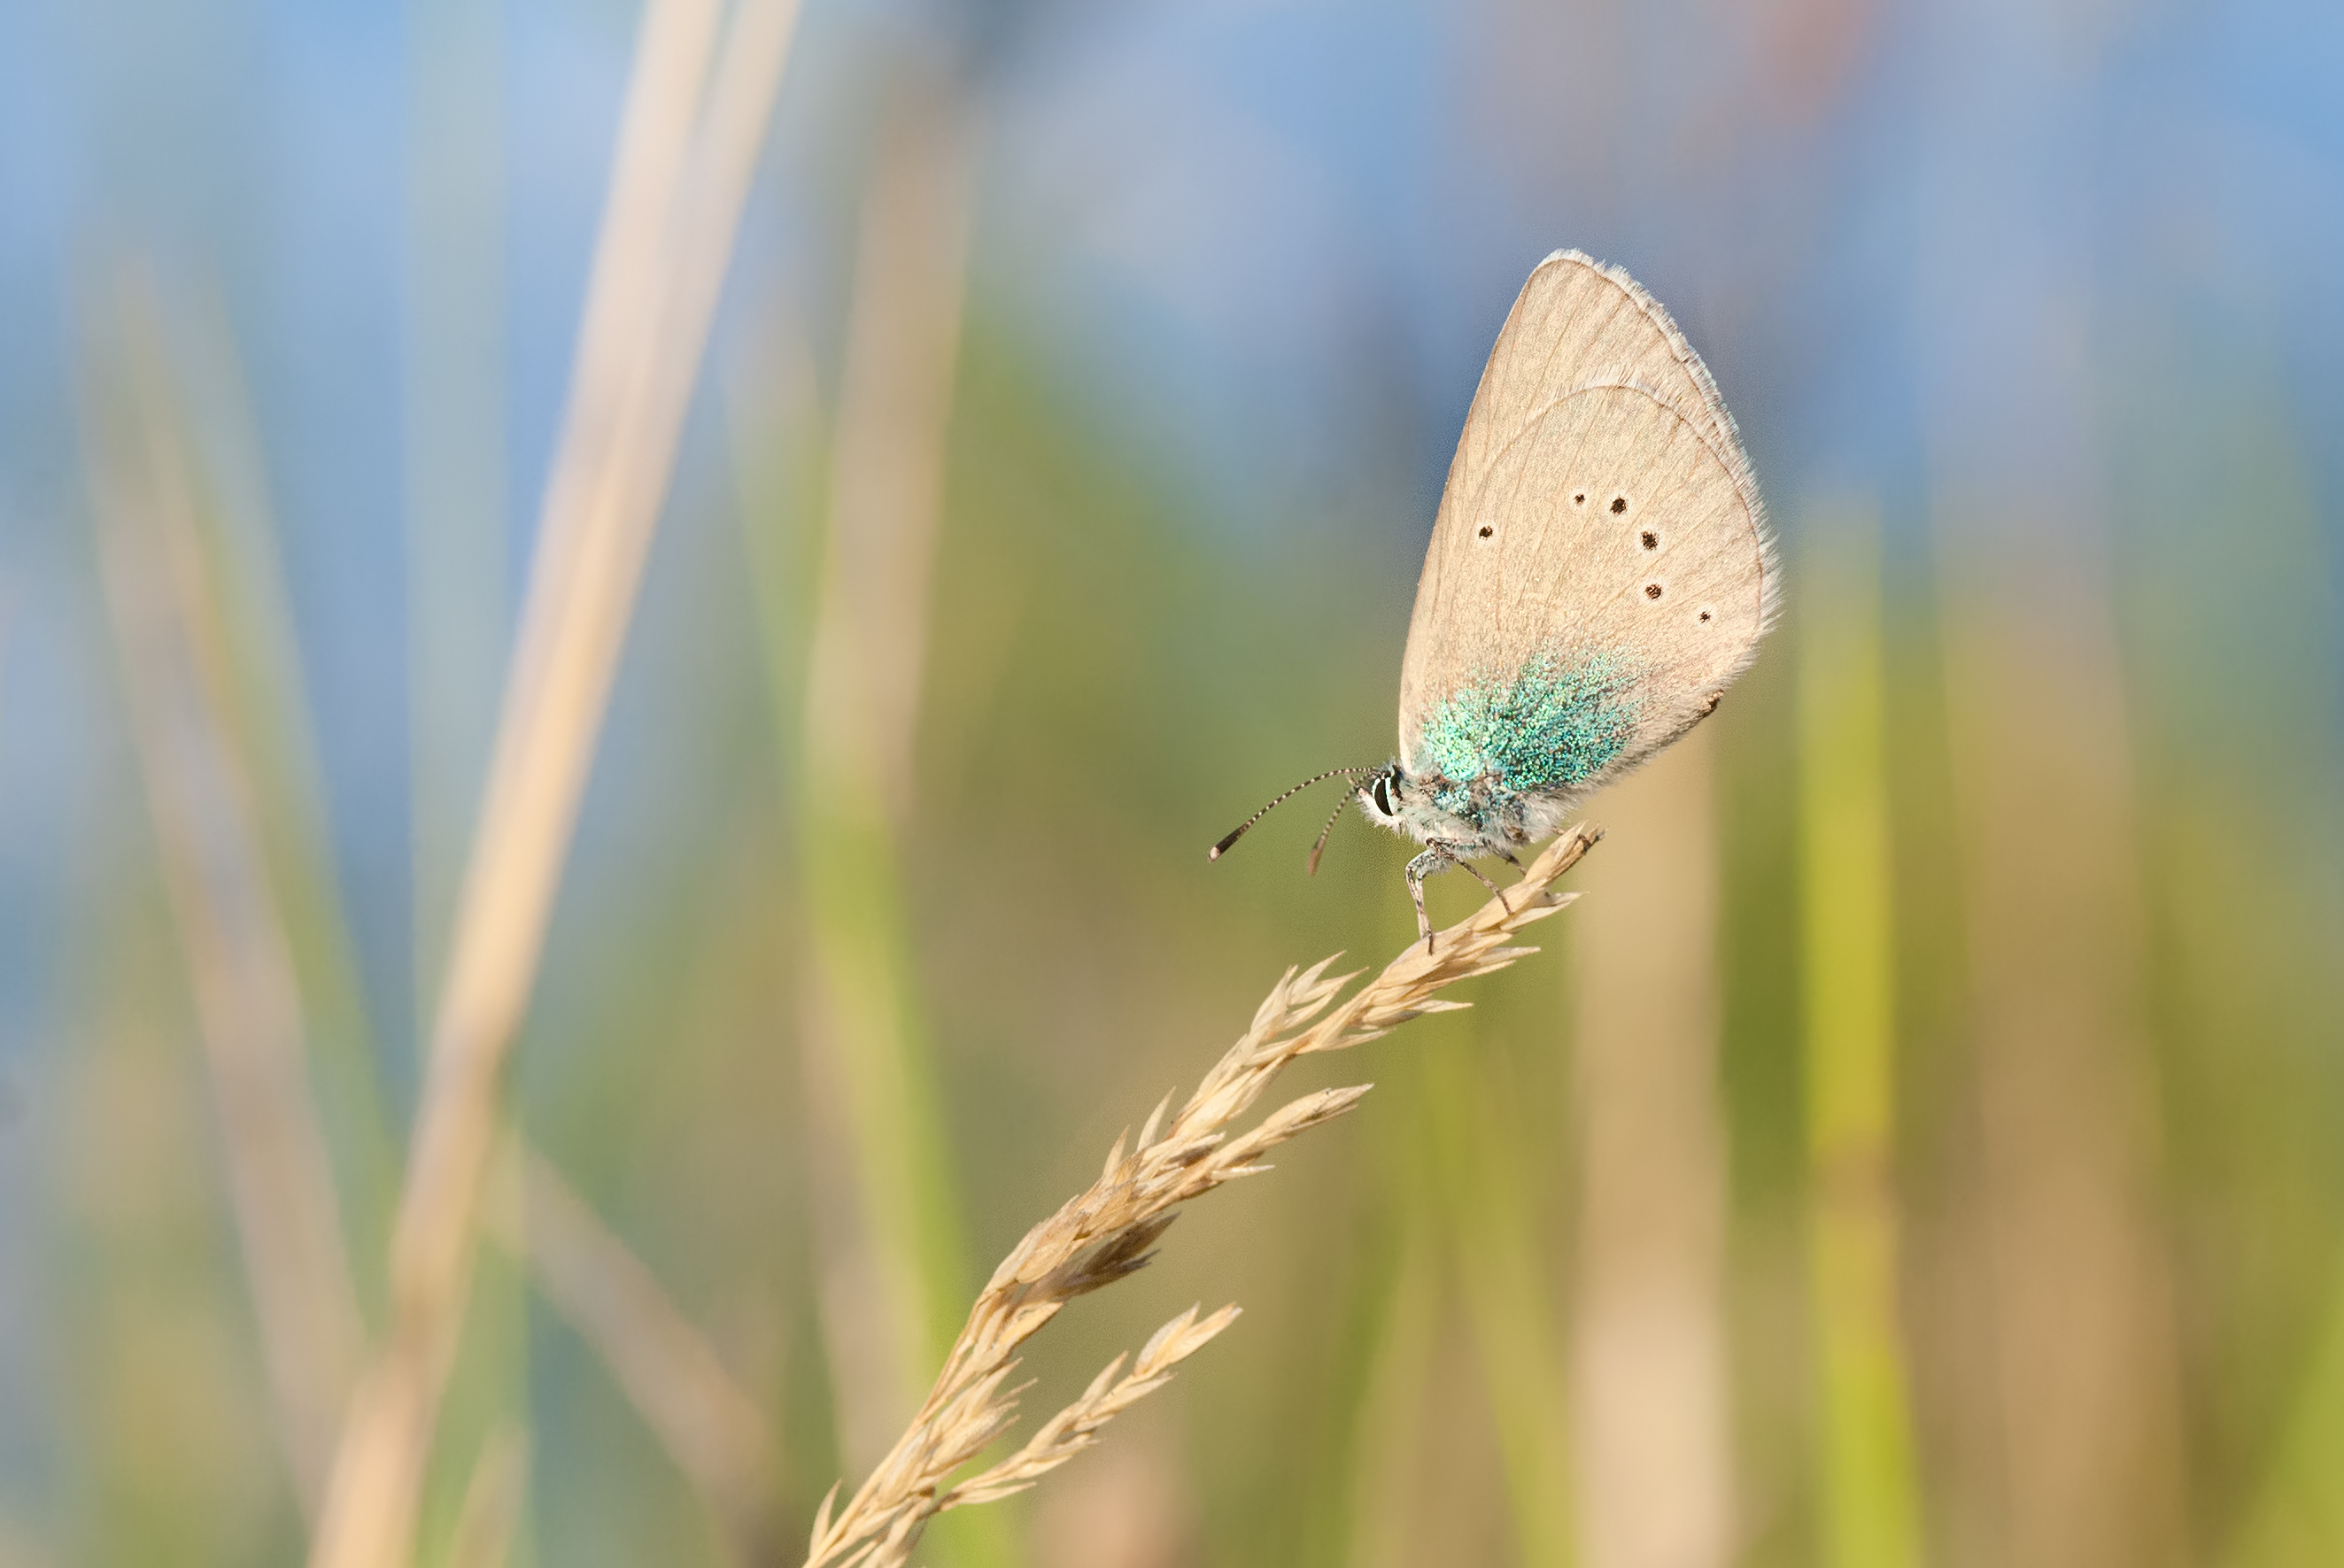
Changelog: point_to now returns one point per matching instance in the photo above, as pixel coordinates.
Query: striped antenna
(1239, 832)
(1320, 847)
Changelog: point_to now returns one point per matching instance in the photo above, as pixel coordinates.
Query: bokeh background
(1924, 1145)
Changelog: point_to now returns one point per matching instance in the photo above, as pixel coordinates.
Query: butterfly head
(1427, 806)
(1383, 796)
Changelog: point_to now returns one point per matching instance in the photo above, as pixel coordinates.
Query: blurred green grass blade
(2296, 1519)
(494, 1499)
(261, 720)
(776, 441)
(1864, 1442)
(1480, 1179)
(251, 1022)
(1380, 1523)
(487, 1398)
(265, 718)
(874, 1038)
(1376, 1372)
(161, 1452)
(861, 948)
(898, 1277)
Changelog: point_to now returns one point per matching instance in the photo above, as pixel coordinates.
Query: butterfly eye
(1380, 792)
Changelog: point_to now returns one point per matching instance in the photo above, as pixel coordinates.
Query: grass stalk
(2295, 1512)
(1488, 1230)
(178, 633)
(1108, 1230)
(248, 1005)
(1649, 1379)
(2074, 1273)
(1384, 1502)
(892, 1252)
(265, 713)
(1870, 1499)
(713, 1430)
(694, 122)
(494, 1502)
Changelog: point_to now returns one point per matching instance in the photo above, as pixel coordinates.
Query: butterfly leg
(1485, 882)
(1422, 866)
(1511, 858)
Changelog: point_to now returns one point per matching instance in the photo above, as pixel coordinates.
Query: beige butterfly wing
(1600, 503)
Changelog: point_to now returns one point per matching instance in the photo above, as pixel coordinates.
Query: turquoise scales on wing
(1554, 725)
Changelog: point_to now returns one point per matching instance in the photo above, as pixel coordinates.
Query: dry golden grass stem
(1106, 1232)
(694, 120)
(171, 639)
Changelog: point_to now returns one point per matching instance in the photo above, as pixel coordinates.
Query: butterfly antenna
(1332, 818)
(1239, 832)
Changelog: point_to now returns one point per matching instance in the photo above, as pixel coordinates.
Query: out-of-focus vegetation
(1922, 1146)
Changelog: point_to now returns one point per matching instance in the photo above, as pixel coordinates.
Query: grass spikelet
(1107, 1231)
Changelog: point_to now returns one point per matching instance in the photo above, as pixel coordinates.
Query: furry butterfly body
(1599, 572)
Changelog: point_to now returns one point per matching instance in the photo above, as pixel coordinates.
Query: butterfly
(1600, 571)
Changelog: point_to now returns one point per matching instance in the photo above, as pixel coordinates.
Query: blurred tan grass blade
(681, 176)
(2085, 1404)
(713, 1430)
(1865, 1440)
(1649, 1382)
(266, 723)
(248, 1005)
(676, 1378)
(1108, 1230)
(894, 1265)
(871, 632)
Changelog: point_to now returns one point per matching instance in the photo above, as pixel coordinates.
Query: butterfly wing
(1600, 508)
